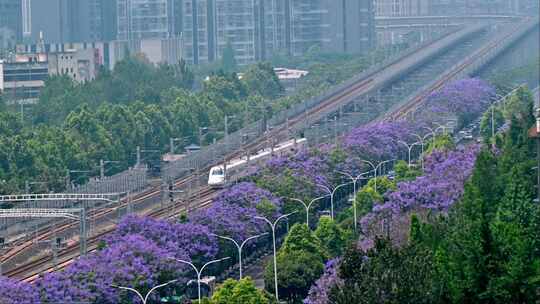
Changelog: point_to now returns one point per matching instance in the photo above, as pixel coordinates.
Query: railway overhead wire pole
(54, 197)
(72, 214)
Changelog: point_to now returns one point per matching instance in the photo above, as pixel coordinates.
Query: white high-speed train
(218, 175)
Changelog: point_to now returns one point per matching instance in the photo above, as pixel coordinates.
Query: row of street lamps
(331, 191)
(198, 271)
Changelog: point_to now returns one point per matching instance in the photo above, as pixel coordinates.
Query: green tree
(467, 255)
(57, 99)
(486, 122)
(297, 271)
(299, 263)
(441, 143)
(513, 231)
(386, 274)
(366, 198)
(518, 104)
(384, 184)
(260, 79)
(2, 102)
(331, 236)
(404, 172)
(299, 238)
(239, 292)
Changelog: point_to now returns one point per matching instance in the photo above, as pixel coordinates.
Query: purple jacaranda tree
(131, 261)
(464, 98)
(247, 195)
(228, 220)
(15, 292)
(180, 239)
(378, 141)
(233, 212)
(436, 190)
(318, 293)
(295, 174)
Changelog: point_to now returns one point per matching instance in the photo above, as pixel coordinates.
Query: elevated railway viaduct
(396, 88)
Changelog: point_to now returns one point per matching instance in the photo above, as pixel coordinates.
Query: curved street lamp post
(354, 181)
(376, 167)
(145, 298)
(199, 272)
(422, 140)
(409, 147)
(240, 246)
(273, 227)
(332, 193)
(306, 206)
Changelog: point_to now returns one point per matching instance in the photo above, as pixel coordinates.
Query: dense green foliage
(443, 142)
(300, 261)
(332, 237)
(385, 274)
(137, 104)
(486, 249)
(238, 292)
(404, 172)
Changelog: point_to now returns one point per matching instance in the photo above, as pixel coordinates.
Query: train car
(218, 176)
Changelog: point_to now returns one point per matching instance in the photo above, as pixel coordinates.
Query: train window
(218, 171)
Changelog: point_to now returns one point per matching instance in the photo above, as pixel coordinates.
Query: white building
(23, 77)
(81, 65)
(109, 53)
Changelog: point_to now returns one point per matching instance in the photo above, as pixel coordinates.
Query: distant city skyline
(256, 29)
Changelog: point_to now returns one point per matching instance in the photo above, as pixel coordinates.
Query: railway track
(31, 270)
(412, 105)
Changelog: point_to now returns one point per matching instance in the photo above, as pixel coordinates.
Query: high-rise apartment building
(403, 8)
(96, 20)
(235, 25)
(257, 29)
(144, 19)
(63, 21)
(273, 28)
(197, 29)
(10, 22)
(482, 7)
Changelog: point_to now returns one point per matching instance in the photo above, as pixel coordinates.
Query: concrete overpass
(417, 21)
(395, 30)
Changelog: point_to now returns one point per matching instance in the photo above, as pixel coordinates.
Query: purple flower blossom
(14, 292)
(440, 186)
(378, 141)
(318, 293)
(465, 98)
(131, 261)
(193, 240)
